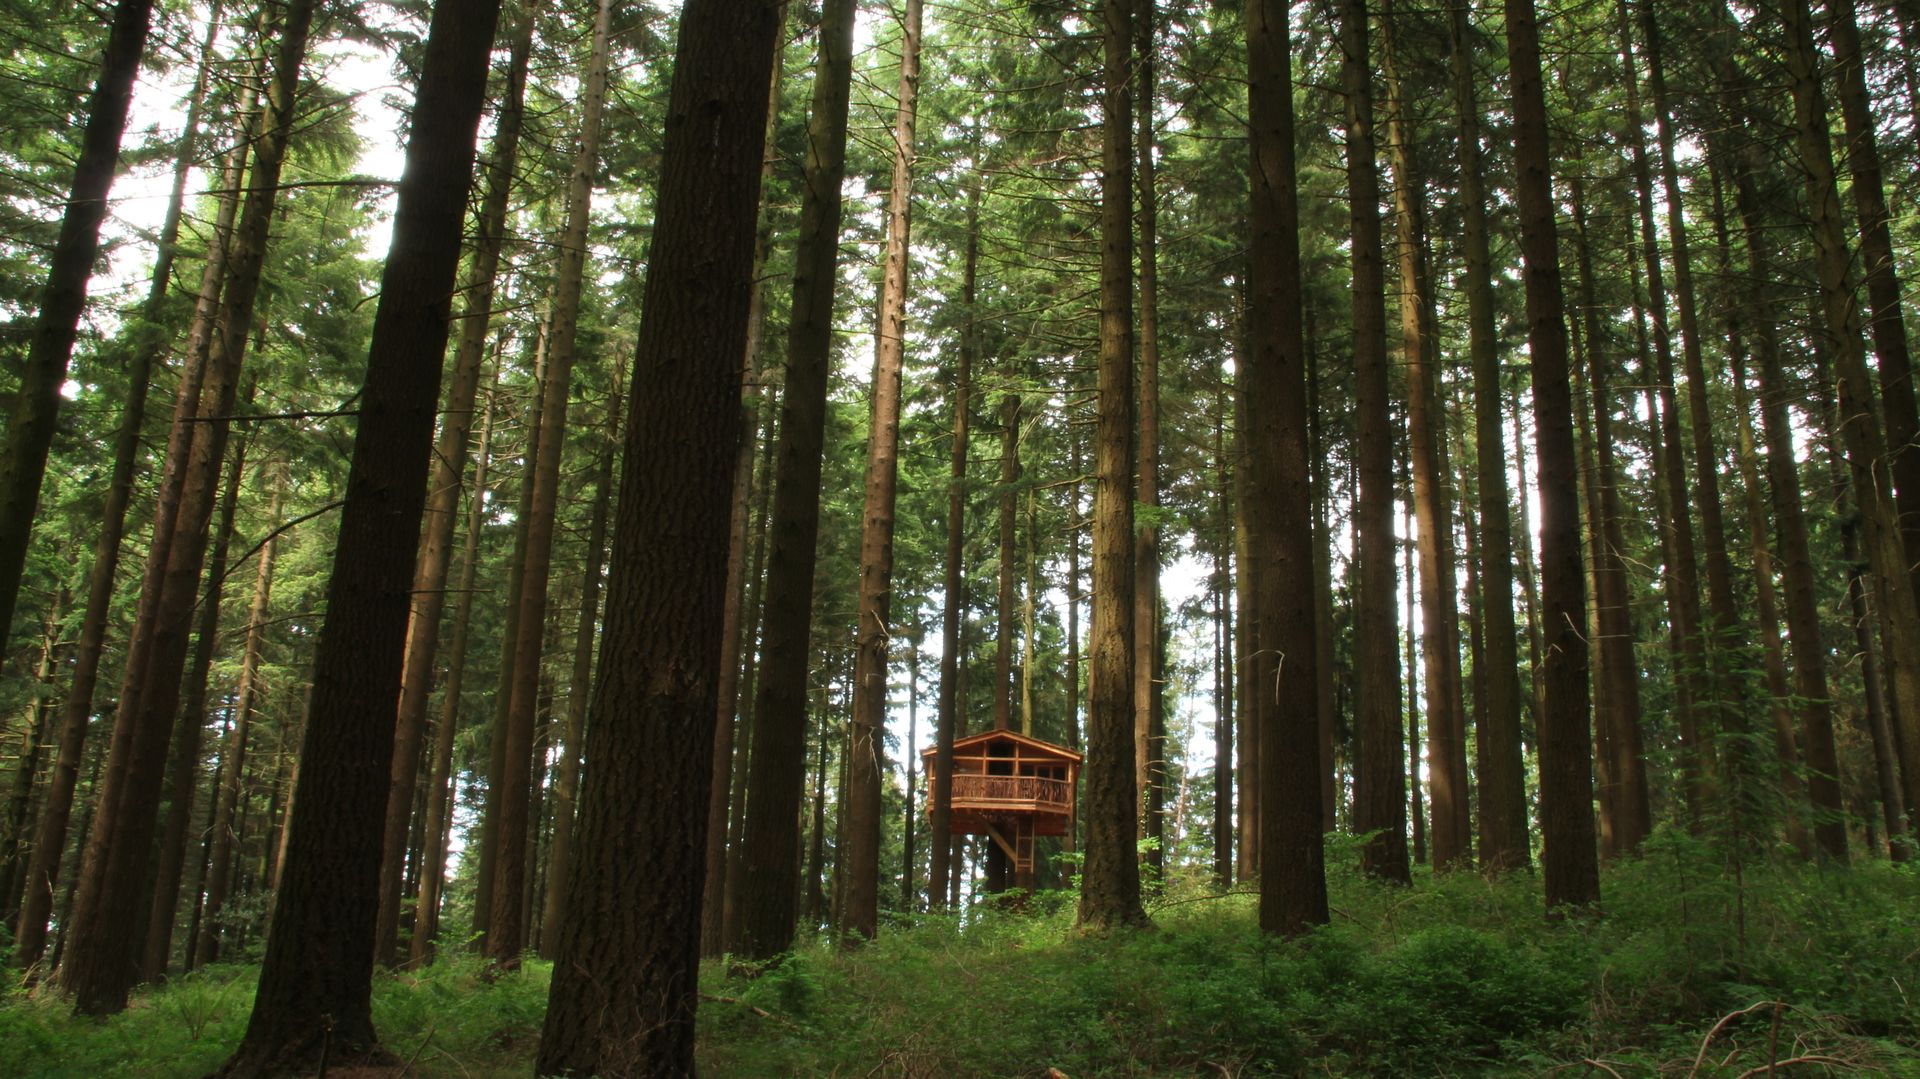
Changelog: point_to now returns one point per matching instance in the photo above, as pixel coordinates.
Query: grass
(1683, 973)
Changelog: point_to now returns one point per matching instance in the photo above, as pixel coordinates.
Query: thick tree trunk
(313, 1001)
(36, 408)
(1571, 870)
(1277, 506)
(866, 752)
(941, 869)
(1247, 714)
(729, 751)
(776, 772)
(433, 843)
(1376, 639)
(443, 498)
(626, 983)
(1110, 888)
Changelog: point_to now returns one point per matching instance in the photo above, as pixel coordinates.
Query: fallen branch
(759, 1011)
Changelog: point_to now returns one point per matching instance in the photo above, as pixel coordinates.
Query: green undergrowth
(1688, 970)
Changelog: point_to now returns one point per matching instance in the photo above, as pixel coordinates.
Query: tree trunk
(233, 754)
(33, 738)
(433, 844)
(567, 784)
(1149, 701)
(776, 772)
(157, 946)
(313, 1001)
(1501, 770)
(1886, 317)
(36, 408)
(507, 930)
(1426, 433)
(104, 961)
(1376, 647)
(1624, 796)
(953, 582)
(866, 762)
(733, 632)
(1859, 424)
(1571, 871)
(443, 498)
(625, 984)
(1278, 502)
(1110, 889)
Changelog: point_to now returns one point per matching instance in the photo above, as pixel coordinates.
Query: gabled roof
(1012, 736)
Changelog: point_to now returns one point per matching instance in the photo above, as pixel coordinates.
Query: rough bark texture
(776, 773)
(1383, 795)
(315, 983)
(1277, 508)
(1110, 889)
(36, 409)
(866, 753)
(443, 498)
(625, 985)
(1571, 870)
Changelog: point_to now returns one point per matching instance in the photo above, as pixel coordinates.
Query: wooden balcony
(984, 793)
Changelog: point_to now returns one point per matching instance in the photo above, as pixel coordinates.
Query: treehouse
(1011, 788)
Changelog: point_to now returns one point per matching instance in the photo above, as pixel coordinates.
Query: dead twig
(755, 1009)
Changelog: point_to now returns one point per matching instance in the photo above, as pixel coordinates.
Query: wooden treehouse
(1011, 788)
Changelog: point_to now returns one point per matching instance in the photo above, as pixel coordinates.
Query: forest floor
(1689, 970)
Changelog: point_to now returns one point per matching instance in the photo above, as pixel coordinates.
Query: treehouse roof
(1037, 748)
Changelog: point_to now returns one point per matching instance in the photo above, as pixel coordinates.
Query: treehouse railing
(1023, 791)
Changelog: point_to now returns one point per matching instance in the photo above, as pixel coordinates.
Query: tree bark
(1426, 434)
(314, 997)
(36, 408)
(625, 985)
(426, 906)
(776, 772)
(1110, 887)
(443, 498)
(1278, 502)
(866, 752)
(1571, 870)
(1376, 637)
(1149, 701)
